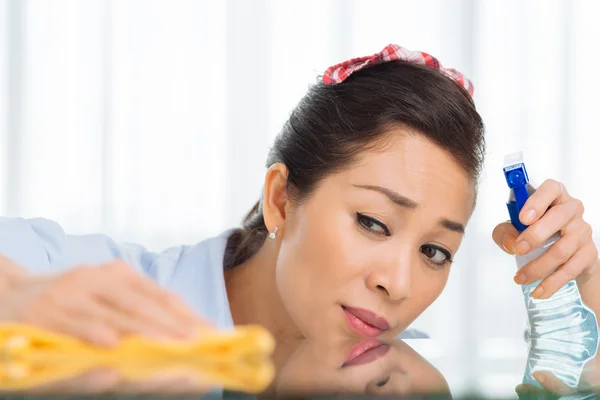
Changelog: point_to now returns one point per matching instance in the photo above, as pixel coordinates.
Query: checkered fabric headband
(339, 72)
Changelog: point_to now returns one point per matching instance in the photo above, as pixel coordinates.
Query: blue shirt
(194, 273)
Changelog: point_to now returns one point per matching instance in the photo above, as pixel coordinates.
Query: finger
(555, 220)
(552, 383)
(172, 303)
(151, 289)
(73, 318)
(116, 290)
(526, 389)
(558, 254)
(548, 194)
(565, 273)
(522, 389)
(93, 332)
(114, 319)
(96, 381)
(505, 236)
(126, 325)
(144, 317)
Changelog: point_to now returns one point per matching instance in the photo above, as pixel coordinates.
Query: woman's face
(391, 369)
(370, 249)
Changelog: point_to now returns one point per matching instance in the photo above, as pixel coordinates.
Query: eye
(436, 255)
(383, 382)
(372, 225)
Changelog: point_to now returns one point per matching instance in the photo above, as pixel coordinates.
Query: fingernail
(522, 247)
(507, 246)
(538, 292)
(539, 377)
(520, 278)
(528, 216)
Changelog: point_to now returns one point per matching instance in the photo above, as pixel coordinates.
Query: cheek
(427, 287)
(324, 247)
(317, 261)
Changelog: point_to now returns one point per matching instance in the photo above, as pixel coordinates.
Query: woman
(369, 187)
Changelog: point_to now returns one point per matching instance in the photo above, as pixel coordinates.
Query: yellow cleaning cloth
(235, 360)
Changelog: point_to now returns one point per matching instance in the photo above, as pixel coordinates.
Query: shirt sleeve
(41, 246)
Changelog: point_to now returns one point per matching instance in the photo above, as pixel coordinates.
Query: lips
(364, 322)
(365, 352)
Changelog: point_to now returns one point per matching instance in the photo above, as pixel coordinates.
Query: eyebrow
(397, 198)
(405, 202)
(453, 226)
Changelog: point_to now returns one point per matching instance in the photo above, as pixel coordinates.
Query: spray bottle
(563, 332)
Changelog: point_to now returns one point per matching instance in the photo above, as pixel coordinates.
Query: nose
(393, 280)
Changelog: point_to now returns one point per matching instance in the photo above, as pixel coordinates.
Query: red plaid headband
(339, 72)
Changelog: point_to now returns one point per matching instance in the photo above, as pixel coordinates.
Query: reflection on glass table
(299, 368)
(303, 368)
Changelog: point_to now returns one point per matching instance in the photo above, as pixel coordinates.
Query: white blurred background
(151, 120)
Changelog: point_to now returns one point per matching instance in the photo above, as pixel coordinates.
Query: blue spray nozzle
(517, 180)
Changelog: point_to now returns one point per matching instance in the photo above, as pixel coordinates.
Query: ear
(275, 198)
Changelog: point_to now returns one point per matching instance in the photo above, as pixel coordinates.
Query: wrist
(590, 276)
(10, 274)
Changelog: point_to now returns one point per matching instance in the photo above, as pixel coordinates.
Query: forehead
(410, 164)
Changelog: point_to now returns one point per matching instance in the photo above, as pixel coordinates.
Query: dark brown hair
(333, 124)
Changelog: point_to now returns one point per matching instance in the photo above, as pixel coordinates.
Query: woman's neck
(253, 295)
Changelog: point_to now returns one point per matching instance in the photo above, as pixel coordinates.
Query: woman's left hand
(574, 256)
(552, 387)
(588, 384)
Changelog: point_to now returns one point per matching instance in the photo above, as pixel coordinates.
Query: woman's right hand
(99, 305)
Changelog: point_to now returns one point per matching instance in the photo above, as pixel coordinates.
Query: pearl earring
(273, 234)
